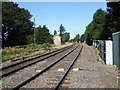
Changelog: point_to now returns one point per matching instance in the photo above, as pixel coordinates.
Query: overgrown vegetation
(103, 24)
(10, 52)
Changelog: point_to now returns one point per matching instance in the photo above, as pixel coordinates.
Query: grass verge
(10, 52)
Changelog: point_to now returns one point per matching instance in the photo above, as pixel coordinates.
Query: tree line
(75, 39)
(18, 29)
(103, 24)
(96, 29)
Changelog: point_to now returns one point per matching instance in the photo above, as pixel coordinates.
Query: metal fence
(103, 45)
(102, 50)
(116, 49)
(100, 44)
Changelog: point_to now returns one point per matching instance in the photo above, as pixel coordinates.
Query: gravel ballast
(52, 76)
(18, 77)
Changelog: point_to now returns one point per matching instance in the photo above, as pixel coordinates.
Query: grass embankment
(10, 52)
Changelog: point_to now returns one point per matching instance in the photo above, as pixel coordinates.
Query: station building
(57, 39)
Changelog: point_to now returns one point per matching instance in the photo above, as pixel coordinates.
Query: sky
(74, 16)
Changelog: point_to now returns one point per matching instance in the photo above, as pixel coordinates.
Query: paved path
(92, 73)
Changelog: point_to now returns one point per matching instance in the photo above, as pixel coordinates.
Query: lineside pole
(34, 32)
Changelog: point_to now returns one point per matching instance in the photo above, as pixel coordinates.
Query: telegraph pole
(34, 32)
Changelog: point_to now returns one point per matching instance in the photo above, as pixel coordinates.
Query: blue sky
(74, 16)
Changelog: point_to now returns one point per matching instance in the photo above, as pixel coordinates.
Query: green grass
(10, 52)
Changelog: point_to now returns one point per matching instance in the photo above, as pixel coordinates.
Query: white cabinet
(109, 52)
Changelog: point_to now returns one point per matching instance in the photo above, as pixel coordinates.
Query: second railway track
(49, 76)
(21, 75)
(7, 70)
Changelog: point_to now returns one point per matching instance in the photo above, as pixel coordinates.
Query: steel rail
(45, 69)
(13, 71)
(35, 57)
(67, 71)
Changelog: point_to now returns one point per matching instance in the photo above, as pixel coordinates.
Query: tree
(42, 35)
(82, 38)
(55, 32)
(97, 27)
(113, 17)
(89, 30)
(89, 40)
(16, 25)
(61, 30)
(65, 37)
(50, 39)
(77, 38)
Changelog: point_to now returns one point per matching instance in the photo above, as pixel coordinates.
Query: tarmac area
(90, 71)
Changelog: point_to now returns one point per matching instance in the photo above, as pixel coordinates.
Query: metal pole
(34, 32)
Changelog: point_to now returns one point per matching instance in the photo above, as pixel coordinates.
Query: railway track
(7, 70)
(66, 61)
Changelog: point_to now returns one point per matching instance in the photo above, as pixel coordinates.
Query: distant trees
(16, 25)
(65, 36)
(82, 38)
(76, 38)
(55, 32)
(43, 35)
(62, 30)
